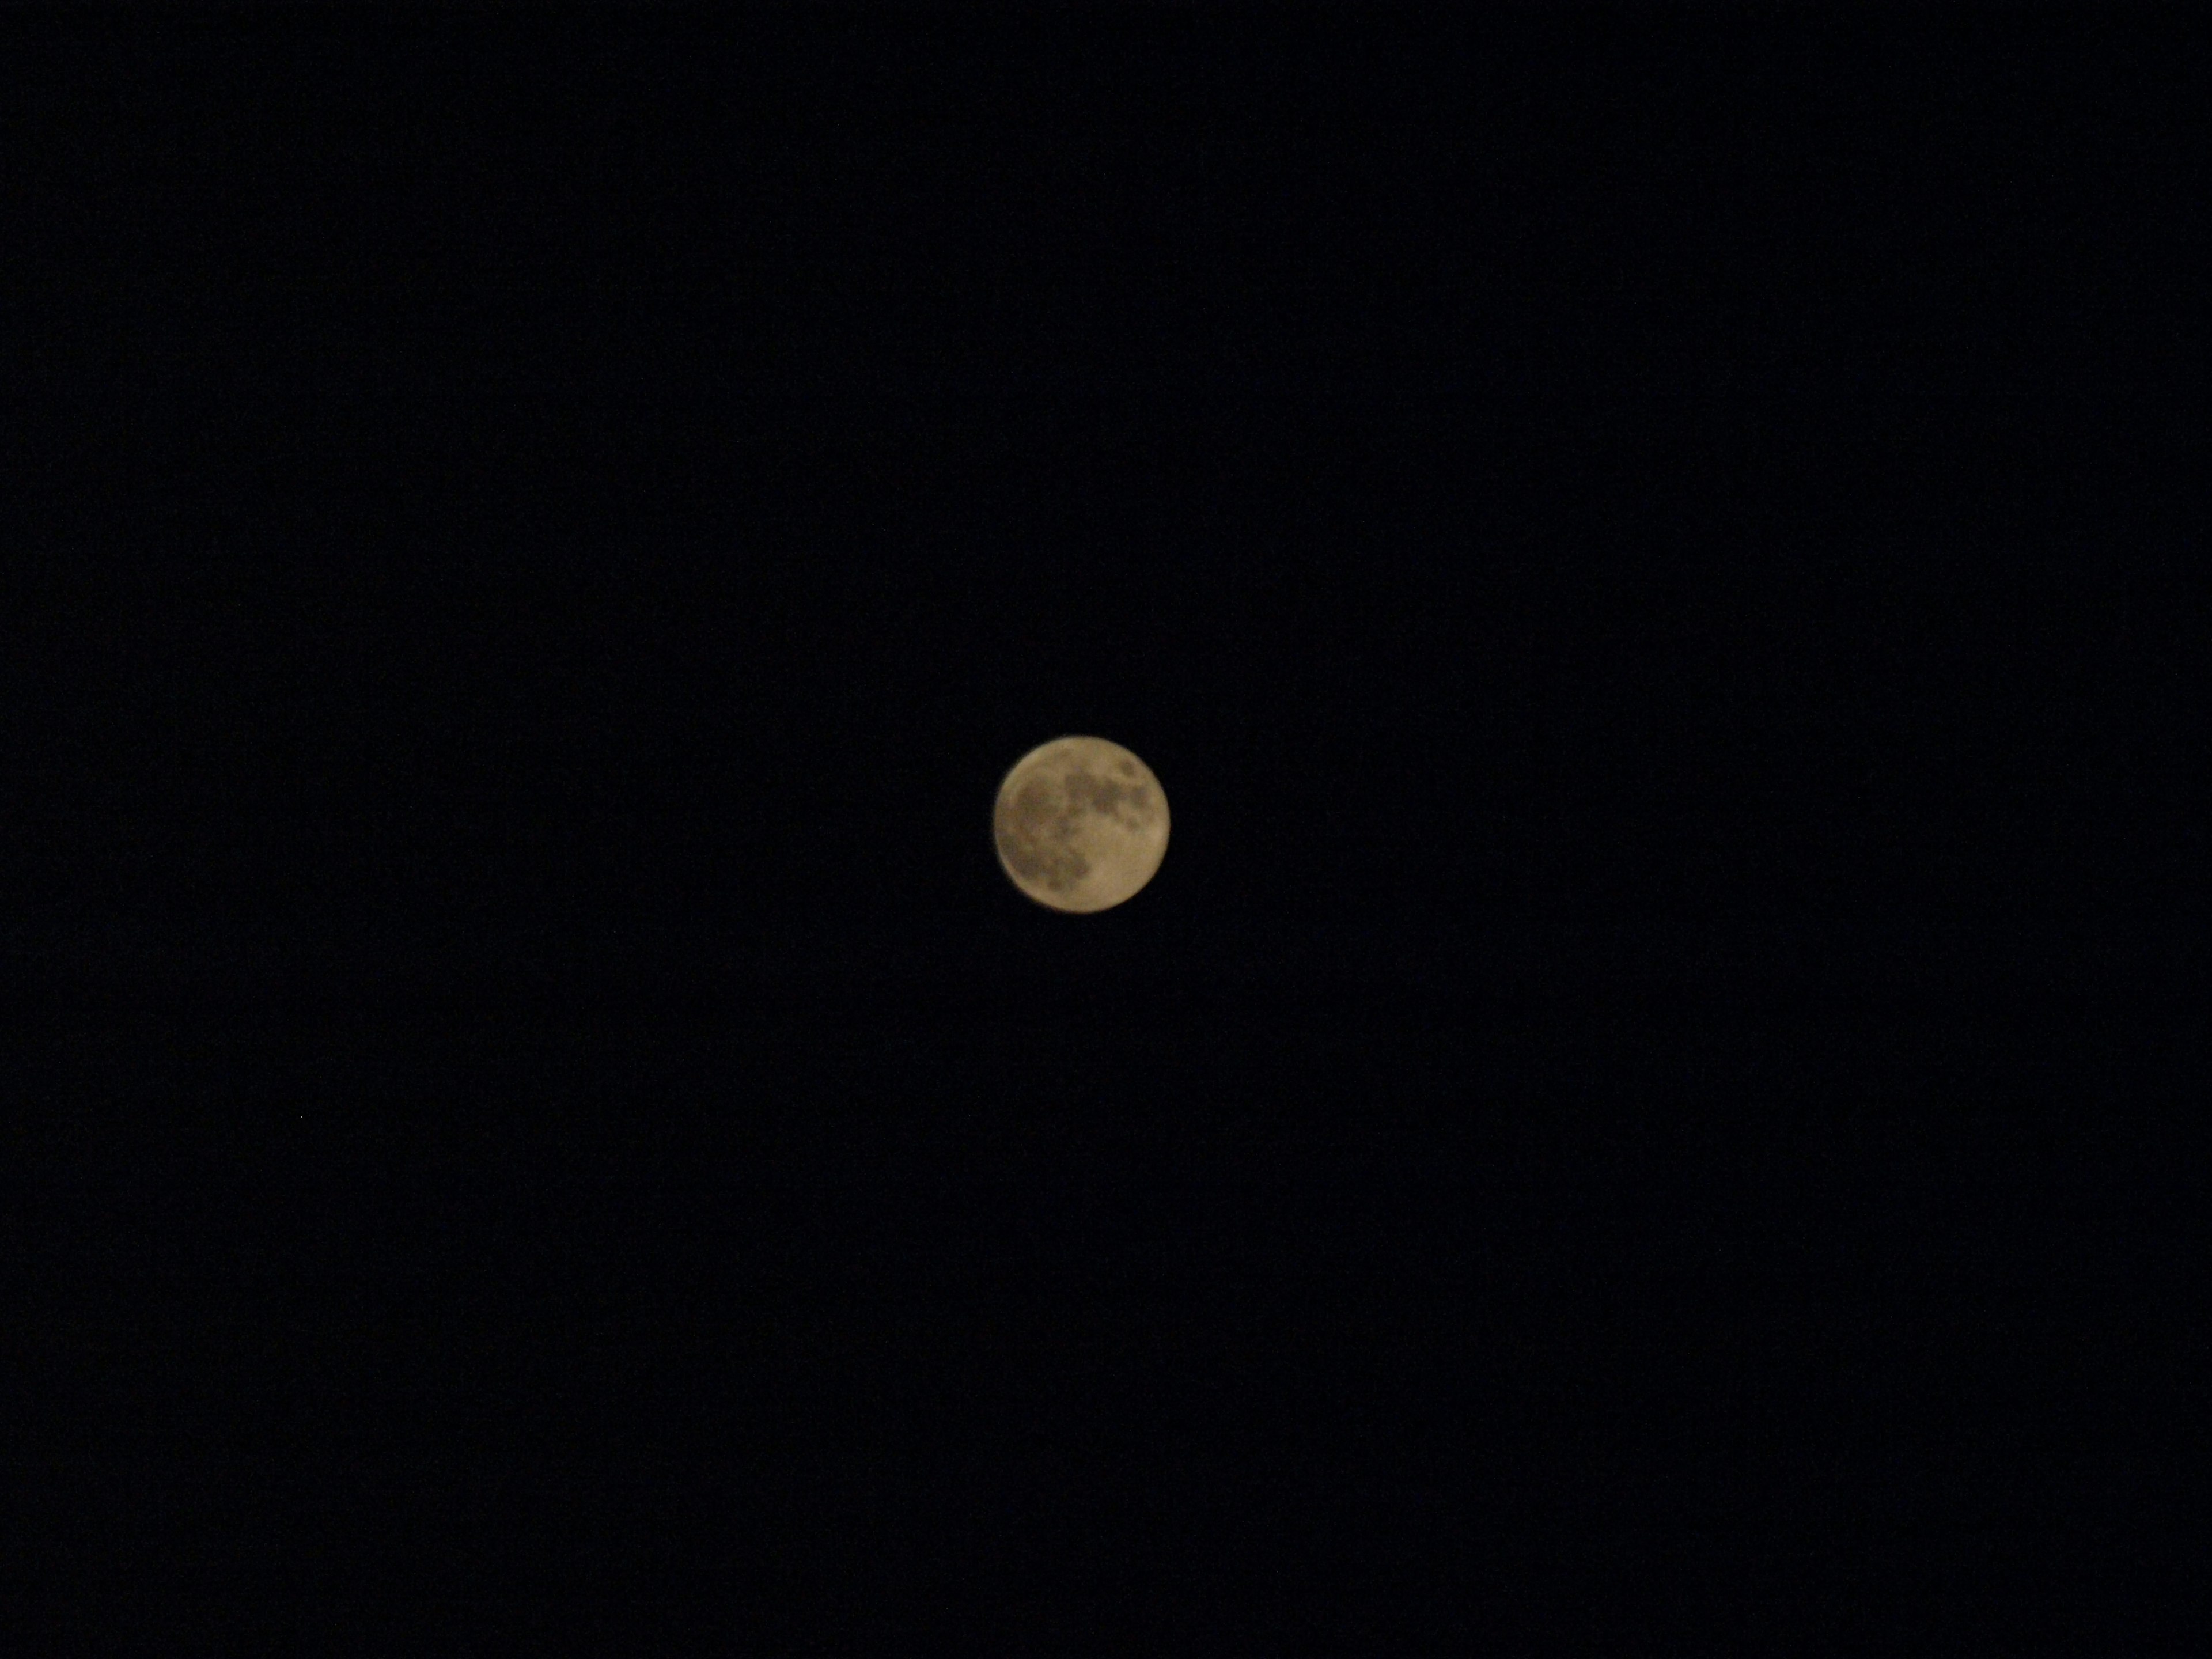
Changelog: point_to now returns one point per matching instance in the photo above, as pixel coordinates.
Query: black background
(1631, 1113)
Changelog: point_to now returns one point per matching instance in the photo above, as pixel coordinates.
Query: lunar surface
(1081, 824)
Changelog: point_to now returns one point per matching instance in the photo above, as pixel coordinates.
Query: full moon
(1081, 824)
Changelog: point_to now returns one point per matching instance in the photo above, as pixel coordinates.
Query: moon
(1081, 824)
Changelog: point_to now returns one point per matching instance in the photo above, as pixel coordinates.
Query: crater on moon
(1081, 824)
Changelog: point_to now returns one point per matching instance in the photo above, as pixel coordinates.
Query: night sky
(1629, 1119)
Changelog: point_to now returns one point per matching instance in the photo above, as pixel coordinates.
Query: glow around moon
(1081, 824)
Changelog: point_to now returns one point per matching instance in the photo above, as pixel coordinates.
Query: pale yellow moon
(1081, 824)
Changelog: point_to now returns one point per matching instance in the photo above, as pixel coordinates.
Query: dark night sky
(1639, 553)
